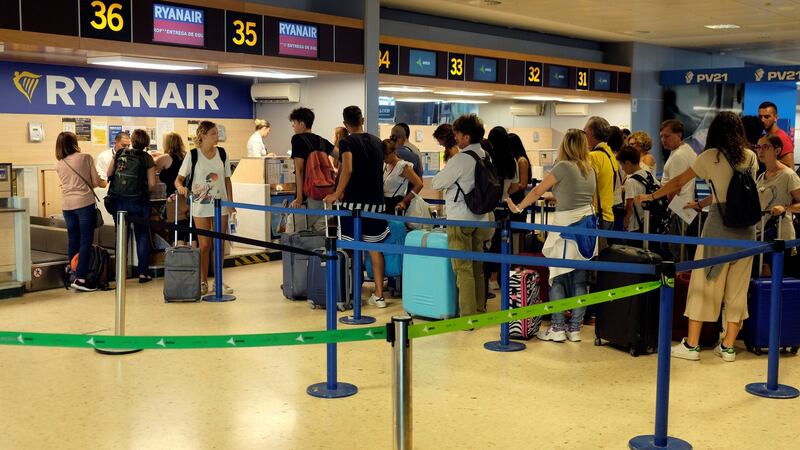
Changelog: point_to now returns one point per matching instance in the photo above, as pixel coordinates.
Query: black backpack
(194, 155)
(488, 186)
(745, 211)
(99, 274)
(129, 179)
(659, 209)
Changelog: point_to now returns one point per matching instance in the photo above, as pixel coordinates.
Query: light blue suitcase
(429, 284)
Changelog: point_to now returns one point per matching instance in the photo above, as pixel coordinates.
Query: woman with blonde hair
(574, 184)
(206, 172)
(255, 144)
(641, 141)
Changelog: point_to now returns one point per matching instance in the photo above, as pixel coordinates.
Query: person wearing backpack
(730, 169)
(132, 175)
(207, 172)
(468, 197)
(313, 170)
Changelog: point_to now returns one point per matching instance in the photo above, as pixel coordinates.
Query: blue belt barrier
(708, 262)
(278, 209)
(440, 222)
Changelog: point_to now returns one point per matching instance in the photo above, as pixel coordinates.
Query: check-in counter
(15, 246)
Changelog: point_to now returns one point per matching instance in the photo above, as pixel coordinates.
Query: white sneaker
(680, 351)
(574, 336)
(227, 290)
(551, 334)
(727, 355)
(376, 301)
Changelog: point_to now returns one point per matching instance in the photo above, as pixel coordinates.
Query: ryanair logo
(689, 77)
(759, 74)
(26, 83)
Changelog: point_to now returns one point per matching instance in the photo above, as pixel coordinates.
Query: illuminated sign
(484, 69)
(178, 25)
(103, 19)
(422, 62)
(295, 39)
(243, 33)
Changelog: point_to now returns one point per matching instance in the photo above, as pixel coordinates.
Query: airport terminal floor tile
(550, 396)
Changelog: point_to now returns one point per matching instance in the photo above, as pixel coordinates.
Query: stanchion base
(222, 298)
(117, 351)
(351, 320)
(320, 390)
(783, 391)
(498, 346)
(647, 442)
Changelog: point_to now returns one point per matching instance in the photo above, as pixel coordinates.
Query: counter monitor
(298, 39)
(422, 62)
(557, 76)
(484, 69)
(179, 25)
(601, 80)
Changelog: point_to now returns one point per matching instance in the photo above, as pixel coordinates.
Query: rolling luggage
(524, 290)
(182, 268)
(295, 266)
(756, 327)
(393, 262)
(709, 334)
(429, 283)
(317, 281)
(630, 323)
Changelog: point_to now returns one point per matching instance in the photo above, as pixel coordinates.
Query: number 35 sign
(106, 19)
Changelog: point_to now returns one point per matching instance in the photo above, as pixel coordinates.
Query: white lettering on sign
(712, 78)
(207, 94)
(58, 86)
(786, 75)
(171, 95)
(149, 95)
(164, 12)
(116, 93)
(90, 91)
(296, 29)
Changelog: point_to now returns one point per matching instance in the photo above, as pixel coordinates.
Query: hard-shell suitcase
(393, 262)
(631, 323)
(756, 327)
(524, 290)
(709, 334)
(429, 283)
(317, 281)
(295, 266)
(182, 268)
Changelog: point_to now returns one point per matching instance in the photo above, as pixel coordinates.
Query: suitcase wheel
(311, 304)
(793, 350)
(634, 352)
(598, 342)
(757, 351)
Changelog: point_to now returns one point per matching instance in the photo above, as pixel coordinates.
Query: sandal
(145, 278)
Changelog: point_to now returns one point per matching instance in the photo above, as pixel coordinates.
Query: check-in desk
(15, 246)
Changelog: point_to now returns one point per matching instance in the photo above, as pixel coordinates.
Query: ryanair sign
(47, 89)
(736, 75)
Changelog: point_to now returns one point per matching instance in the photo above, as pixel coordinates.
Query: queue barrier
(332, 388)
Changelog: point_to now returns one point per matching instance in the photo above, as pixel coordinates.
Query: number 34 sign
(106, 19)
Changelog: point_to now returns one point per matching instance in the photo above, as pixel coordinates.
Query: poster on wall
(113, 131)
(68, 125)
(99, 133)
(163, 127)
(83, 128)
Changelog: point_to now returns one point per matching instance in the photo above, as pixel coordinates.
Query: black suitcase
(630, 323)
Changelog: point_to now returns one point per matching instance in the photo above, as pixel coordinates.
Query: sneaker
(680, 351)
(203, 288)
(727, 354)
(227, 290)
(376, 301)
(552, 334)
(574, 336)
(79, 285)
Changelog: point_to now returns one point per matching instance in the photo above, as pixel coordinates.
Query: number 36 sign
(106, 19)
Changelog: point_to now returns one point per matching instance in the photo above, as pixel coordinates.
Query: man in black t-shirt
(303, 143)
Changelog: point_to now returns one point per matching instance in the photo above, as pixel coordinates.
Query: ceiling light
(2, 47)
(260, 72)
(403, 89)
(465, 100)
(722, 26)
(464, 93)
(539, 98)
(417, 100)
(636, 32)
(130, 62)
(583, 100)
(485, 2)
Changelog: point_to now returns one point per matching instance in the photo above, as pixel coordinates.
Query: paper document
(687, 214)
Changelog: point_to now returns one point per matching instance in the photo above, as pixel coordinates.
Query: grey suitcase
(182, 268)
(295, 266)
(317, 281)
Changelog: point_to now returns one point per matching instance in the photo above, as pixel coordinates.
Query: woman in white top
(397, 176)
(210, 180)
(255, 145)
(641, 141)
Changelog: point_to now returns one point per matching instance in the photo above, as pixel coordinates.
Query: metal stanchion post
(218, 296)
(771, 389)
(660, 440)
(121, 276)
(504, 345)
(401, 379)
(357, 318)
(331, 388)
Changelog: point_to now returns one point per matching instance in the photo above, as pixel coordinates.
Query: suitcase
(756, 327)
(524, 290)
(393, 262)
(709, 334)
(182, 269)
(295, 266)
(429, 283)
(630, 323)
(317, 281)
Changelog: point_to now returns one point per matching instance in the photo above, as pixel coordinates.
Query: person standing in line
(681, 158)
(725, 149)
(410, 145)
(459, 175)
(503, 160)
(400, 182)
(573, 182)
(525, 174)
(167, 166)
(208, 179)
(444, 136)
(768, 113)
(642, 141)
(629, 159)
(78, 177)
(406, 154)
(303, 143)
(615, 141)
(605, 165)
(339, 133)
(132, 175)
(360, 186)
(753, 131)
(255, 145)
(121, 140)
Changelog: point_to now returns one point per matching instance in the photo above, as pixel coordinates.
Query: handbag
(418, 207)
(98, 221)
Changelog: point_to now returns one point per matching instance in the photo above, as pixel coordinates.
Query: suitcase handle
(177, 202)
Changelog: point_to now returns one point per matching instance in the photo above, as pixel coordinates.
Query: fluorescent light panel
(465, 100)
(464, 93)
(260, 72)
(583, 100)
(418, 100)
(409, 89)
(722, 26)
(131, 62)
(538, 98)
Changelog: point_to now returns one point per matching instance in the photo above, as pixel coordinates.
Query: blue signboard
(422, 62)
(485, 69)
(48, 89)
(732, 75)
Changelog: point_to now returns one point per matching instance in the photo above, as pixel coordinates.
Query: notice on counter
(163, 127)
(113, 131)
(191, 129)
(83, 128)
(68, 125)
(99, 133)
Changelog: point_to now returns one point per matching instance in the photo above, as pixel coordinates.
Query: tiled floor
(550, 396)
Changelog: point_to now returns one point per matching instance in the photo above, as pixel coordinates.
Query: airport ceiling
(768, 33)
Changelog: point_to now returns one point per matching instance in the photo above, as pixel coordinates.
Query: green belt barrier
(21, 338)
(498, 317)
